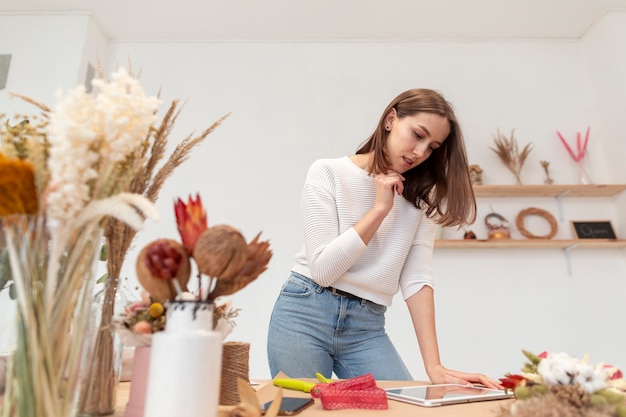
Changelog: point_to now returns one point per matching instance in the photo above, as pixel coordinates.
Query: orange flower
(18, 193)
(192, 221)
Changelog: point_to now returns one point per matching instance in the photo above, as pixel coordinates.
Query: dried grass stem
(509, 153)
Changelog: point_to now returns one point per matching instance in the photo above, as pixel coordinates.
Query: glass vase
(53, 273)
(98, 392)
(583, 173)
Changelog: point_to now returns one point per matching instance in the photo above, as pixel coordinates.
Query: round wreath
(533, 211)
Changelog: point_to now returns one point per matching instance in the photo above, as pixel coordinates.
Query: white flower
(125, 114)
(73, 153)
(561, 368)
(88, 135)
(557, 368)
(590, 378)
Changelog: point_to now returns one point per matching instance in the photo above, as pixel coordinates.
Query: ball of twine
(235, 363)
(534, 211)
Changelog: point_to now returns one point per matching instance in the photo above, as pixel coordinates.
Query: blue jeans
(313, 330)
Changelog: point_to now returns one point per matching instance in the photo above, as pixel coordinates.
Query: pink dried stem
(581, 149)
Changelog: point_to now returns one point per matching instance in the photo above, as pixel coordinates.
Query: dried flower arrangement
(73, 167)
(545, 165)
(143, 171)
(555, 383)
(164, 269)
(578, 156)
(581, 146)
(509, 153)
(23, 174)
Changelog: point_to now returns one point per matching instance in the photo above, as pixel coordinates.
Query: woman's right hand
(386, 185)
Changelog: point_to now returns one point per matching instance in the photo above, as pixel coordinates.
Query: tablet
(444, 394)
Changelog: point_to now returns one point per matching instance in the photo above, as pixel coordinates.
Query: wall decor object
(509, 153)
(5, 62)
(476, 174)
(593, 229)
(469, 235)
(534, 211)
(545, 165)
(498, 226)
(578, 156)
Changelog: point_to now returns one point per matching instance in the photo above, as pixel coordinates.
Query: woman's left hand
(441, 375)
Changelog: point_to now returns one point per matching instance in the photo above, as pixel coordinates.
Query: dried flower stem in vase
(545, 165)
(578, 156)
(509, 153)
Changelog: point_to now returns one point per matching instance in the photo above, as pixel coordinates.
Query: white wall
(46, 51)
(295, 102)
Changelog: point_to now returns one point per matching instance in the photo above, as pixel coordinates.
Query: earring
(388, 127)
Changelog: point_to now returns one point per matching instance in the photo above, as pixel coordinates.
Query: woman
(369, 226)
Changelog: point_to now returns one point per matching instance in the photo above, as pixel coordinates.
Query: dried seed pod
(159, 262)
(220, 252)
(258, 256)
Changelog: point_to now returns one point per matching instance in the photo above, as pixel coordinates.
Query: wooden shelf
(530, 243)
(552, 190)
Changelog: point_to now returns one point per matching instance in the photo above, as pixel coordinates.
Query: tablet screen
(444, 394)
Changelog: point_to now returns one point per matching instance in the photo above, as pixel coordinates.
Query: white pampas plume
(129, 208)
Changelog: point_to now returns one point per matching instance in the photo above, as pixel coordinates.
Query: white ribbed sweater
(336, 195)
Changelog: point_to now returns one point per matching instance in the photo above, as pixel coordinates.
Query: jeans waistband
(332, 290)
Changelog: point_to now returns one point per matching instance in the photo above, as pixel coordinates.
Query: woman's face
(413, 138)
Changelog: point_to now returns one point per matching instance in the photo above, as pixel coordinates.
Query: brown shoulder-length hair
(441, 184)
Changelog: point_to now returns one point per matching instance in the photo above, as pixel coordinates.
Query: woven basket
(235, 364)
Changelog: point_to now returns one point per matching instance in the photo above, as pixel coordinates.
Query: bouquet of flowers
(554, 381)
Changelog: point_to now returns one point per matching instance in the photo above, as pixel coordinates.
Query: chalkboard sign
(593, 230)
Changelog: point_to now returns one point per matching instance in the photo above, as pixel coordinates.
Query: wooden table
(396, 409)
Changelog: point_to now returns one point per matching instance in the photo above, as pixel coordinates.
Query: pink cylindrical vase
(138, 382)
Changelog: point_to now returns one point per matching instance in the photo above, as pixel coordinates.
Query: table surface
(396, 408)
